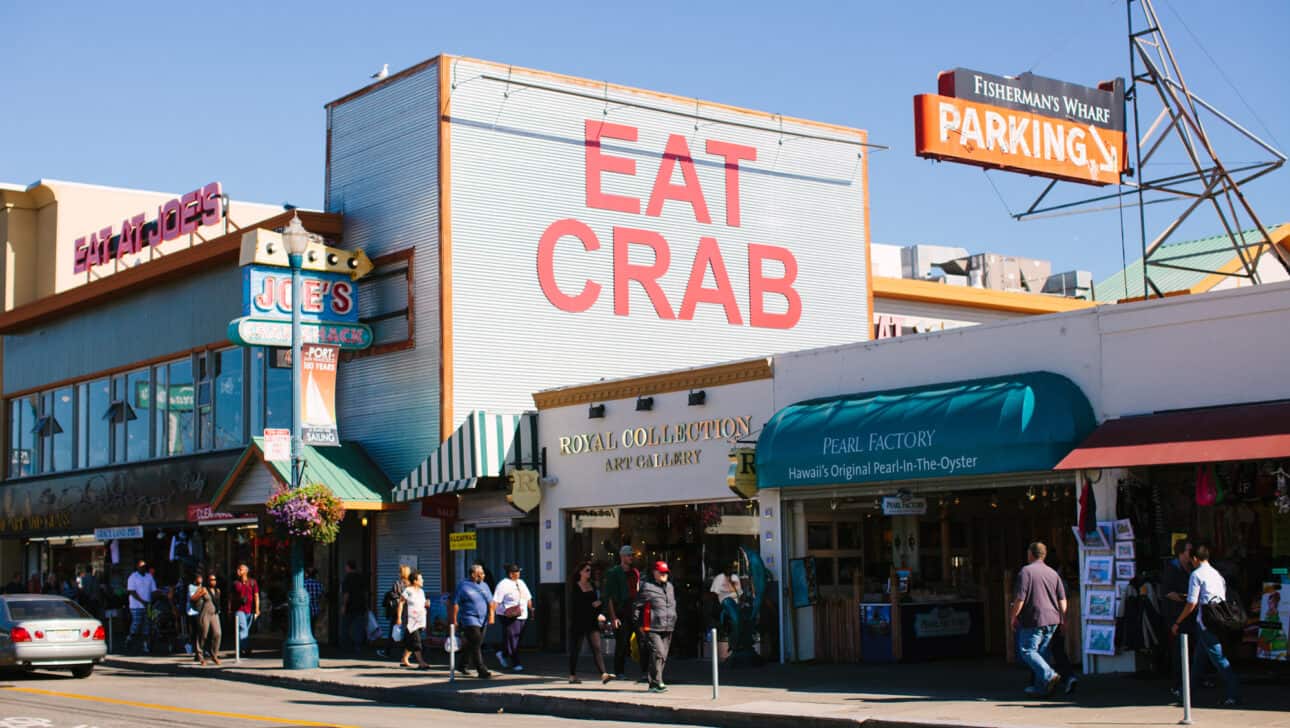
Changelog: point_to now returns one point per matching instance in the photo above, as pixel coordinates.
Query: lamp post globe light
(300, 651)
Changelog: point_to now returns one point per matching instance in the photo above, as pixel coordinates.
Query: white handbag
(397, 633)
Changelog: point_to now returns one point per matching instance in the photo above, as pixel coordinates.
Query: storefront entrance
(960, 555)
(697, 540)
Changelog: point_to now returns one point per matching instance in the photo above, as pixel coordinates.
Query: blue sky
(166, 96)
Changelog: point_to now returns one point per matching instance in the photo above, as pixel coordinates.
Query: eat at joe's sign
(772, 269)
(175, 218)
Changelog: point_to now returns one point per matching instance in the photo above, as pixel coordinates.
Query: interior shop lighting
(644, 404)
(698, 398)
(596, 412)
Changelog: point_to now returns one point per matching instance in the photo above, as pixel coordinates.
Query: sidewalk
(802, 696)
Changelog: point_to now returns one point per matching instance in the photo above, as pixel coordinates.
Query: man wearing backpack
(1206, 590)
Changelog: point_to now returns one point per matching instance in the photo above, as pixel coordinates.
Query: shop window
(277, 409)
(850, 536)
(95, 419)
(135, 405)
(230, 430)
(385, 303)
(23, 458)
(63, 415)
(159, 405)
(255, 384)
(180, 405)
(819, 536)
(849, 568)
(203, 372)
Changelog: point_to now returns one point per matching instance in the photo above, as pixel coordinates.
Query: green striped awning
(481, 447)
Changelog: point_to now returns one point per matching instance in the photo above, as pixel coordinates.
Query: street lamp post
(300, 652)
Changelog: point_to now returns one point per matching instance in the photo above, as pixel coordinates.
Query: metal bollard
(1186, 681)
(715, 688)
(237, 641)
(109, 633)
(452, 654)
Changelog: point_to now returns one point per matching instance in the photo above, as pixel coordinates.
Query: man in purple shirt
(1038, 608)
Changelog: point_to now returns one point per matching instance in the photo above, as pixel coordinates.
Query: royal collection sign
(725, 428)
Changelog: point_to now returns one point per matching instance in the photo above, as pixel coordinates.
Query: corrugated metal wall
(406, 532)
(162, 320)
(497, 547)
(383, 177)
(519, 164)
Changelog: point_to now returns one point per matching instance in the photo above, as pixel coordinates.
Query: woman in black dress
(587, 621)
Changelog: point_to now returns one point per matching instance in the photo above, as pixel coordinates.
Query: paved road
(126, 699)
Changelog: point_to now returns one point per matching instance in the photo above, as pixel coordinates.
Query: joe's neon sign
(175, 218)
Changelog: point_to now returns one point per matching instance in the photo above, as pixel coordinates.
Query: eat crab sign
(772, 270)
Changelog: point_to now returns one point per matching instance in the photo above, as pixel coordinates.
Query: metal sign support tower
(1207, 182)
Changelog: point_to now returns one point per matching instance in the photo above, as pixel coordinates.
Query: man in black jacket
(1173, 588)
(655, 611)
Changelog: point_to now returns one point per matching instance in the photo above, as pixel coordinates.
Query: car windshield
(45, 609)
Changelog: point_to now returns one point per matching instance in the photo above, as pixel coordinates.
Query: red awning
(1215, 434)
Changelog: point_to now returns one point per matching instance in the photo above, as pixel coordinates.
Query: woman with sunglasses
(587, 622)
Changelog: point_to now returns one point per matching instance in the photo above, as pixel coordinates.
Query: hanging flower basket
(311, 511)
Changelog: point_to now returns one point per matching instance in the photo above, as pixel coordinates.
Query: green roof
(346, 470)
(1208, 253)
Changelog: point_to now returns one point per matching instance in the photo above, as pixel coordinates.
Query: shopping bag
(636, 649)
(451, 644)
(397, 633)
(373, 627)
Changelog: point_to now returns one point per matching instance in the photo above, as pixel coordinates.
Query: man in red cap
(655, 611)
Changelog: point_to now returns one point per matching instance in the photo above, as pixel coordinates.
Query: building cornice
(677, 381)
(906, 289)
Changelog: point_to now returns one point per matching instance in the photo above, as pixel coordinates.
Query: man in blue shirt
(473, 610)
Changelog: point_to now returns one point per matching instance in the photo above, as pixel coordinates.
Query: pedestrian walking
(1038, 609)
(1173, 585)
(246, 606)
(206, 599)
(314, 588)
(15, 585)
(140, 586)
(655, 612)
(354, 608)
(472, 611)
(513, 602)
(191, 613)
(621, 585)
(412, 615)
(588, 619)
(1206, 586)
(391, 602)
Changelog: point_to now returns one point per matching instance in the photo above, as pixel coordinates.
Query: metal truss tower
(1180, 123)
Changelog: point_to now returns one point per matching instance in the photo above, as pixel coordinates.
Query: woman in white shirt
(514, 605)
(411, 613)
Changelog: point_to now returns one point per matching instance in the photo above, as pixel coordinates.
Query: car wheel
(81, 672)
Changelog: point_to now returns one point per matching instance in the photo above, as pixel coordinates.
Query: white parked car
(48, 631)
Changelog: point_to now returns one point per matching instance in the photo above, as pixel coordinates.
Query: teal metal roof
(346, 470)
(1209, 253)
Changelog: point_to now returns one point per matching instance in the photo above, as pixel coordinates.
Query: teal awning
(1017, 423)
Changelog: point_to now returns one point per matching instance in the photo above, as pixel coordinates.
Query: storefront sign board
(143, 493)
(277, 445)
(318, 395)
(742, 476)
(443, 506)
(199, 512)
(462, 541)
(175, 218)
(526, 491)
(249, 331)
(897, 506)
(325, 297)
(118, 533)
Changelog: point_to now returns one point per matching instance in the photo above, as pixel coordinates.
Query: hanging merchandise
(1087, 510)
(1206, 495)
(1282, 501)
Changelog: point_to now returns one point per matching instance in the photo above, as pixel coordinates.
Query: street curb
(442, 697)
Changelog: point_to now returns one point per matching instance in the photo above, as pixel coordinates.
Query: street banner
(318, 394)
(277, 445)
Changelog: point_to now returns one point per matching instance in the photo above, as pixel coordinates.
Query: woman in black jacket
(587, 621)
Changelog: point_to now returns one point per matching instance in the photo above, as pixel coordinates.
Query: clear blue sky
(166, 96)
